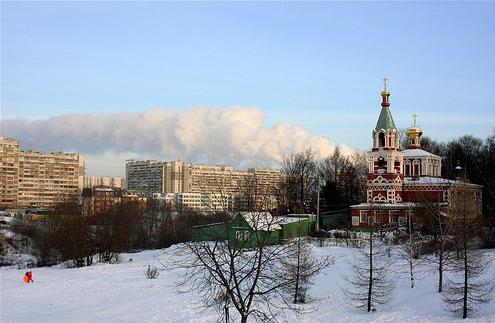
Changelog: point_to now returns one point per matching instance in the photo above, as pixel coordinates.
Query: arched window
(381, 139)
(416, 168)
(382, 163)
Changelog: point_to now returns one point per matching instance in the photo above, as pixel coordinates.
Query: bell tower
(385, 159)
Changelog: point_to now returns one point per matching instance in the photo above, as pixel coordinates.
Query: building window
(355, 220)
(377, 217)
(381, 139)
(382, 163)
(363, 216)
(394, 216)
(415, 170)
(242, 235)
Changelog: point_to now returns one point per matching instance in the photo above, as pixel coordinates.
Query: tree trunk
(464, 245)
(464, 310)
(411, 253)
(296, 293)
(440, 269)
(370, 286)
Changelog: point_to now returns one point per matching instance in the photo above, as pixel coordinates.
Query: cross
(414, 120)
(385, 79)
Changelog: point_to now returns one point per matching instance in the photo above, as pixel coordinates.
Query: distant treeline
(477, 159)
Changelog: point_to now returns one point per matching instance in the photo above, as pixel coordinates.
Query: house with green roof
(250, 229)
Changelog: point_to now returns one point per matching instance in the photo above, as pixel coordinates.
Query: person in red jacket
(28, 277)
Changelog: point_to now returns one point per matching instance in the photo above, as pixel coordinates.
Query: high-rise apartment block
(151, 176)
(144, 176)
(9, 172)
(111, 181)
(177, 177)
(34, 178)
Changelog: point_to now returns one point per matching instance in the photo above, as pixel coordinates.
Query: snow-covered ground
(121, 293)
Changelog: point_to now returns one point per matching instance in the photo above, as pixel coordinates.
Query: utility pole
(318, 205)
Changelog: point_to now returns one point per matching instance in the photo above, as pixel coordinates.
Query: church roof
(427, 180)
(385, 120)
(418, 153)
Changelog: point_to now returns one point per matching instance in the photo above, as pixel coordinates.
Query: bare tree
(438, 224)
(468, 289)
(300, 266)
(410, 251)
(71, 234)
(241, 270)
(344, 178)
(371, 282)
(299, 187)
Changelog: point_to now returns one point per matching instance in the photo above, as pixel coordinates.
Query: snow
(429, 180)
(418, 153)
(121, 293)
(403, 205)
(261, 221)
(7, 219)
(287, 220)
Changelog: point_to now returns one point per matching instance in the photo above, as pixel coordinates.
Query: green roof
(385, 120)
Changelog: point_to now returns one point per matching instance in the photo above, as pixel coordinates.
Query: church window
(381, 139)
(415, 169)
(382, 163)
(355, 220)
(394, 216)
(363, 216)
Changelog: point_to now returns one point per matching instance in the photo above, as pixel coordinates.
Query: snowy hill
(121, 293)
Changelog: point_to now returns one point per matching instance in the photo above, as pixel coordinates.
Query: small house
(250, 229)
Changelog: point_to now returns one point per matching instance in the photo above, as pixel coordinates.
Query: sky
(239, 82)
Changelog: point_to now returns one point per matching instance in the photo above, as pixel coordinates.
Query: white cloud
(236, 136)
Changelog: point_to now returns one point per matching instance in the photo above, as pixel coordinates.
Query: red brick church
(399, 180)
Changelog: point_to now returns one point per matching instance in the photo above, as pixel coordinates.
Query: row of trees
(68, 235)
(447, 239)
(342, 181)
(477, 158)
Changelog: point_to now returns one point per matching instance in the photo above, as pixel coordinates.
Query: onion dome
(414, 135)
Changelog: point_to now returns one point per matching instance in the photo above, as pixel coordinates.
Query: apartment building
(35, 178)
(98, 199)
(176, 177)
(47, 179)
(145, 176)
(111, 181)
(197, 201)
(9, 172)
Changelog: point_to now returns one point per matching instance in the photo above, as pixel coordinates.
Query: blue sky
(318, 65)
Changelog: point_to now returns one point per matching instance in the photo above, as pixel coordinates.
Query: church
(399, 181)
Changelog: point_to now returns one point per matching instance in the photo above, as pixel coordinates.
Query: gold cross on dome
(385, 79)
(414, 120)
